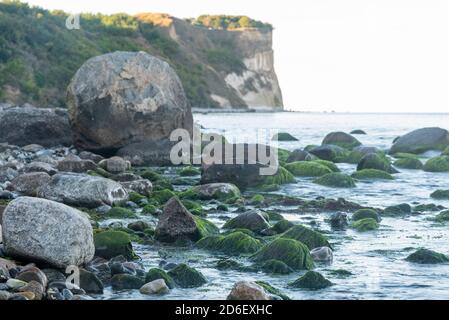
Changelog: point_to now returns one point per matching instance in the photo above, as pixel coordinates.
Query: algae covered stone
(336, 180)
(437, 164)
(365, 213)
(156, 273)
(187, 277)
(276, 267)
(440, 195)
(425, 256)
(235, 243)
(442, 216)
(284, 136)
(367, 224)
(252, 220)
(341, 139)
(409, 163)
(307, 169)
(110, 244)
(372, 174)
(291, 252)
(376, 161)
(311, 280)
(400, 209)
(312, 239)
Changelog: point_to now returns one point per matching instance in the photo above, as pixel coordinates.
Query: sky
(334, 55)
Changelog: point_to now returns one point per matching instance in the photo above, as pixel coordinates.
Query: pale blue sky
(343, 55)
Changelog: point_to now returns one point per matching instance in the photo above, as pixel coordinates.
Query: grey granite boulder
(421, 140)
(134, 92)
(45, 231)
(83, 190)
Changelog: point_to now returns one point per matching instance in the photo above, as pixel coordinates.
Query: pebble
(15, 284)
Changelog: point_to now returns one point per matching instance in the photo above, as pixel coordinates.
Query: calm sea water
(375, 259)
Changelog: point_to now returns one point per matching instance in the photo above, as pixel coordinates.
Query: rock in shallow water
(422, 140)
(133, 91)
(46, 231)
(246, 290)
(155, 287)
(83, 190)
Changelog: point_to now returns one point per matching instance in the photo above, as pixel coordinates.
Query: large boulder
(133, 91)
(422, 140)
(45, 231)
(330, 152)
(83, 190)
(29, 125)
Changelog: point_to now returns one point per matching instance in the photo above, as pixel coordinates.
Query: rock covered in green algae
(312, 239)
(283, 176)
(437, 164)
(299, 155)
(283, 136)
(161, 197)
(376, 161)
(311, 280)
(440, 195)
(336, 180)
(272, 290)
(431, 207)
(341, 139)
(367, 224)
(189, 172)
(281, 226)
(372, 174)
(213, 191)
(365, 213)
(329, 152)
(126, 282)
(187, 277)
(257, 199)
(442, 216)
(396, 210)
(110, 244)
(253, 220)
(329, 164)
(293, 253)
(307, 169)
(120, 213)
(359, 152)
(276, 267)
(156, 273)
(425, 256)
(358, 131)
(235, 244)
(409, 163)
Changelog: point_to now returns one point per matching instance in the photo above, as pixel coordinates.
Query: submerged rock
(156, 273)
(358, 131)
(276, 267)
(366, 224)
(437, 164)
(307, 169)
(400, 209)
(339, 220)
(440, 195)
(422, 140)
(336, 180)
(377, 162)
(425, 256)
(252, 220)
(133, 91)
(83, 190)
(332, 153)
(372, 174)
(409, 163)
(309, 237)
(29, 125)
(245, 290)
(311, 280)
(187, 277)
(365, 213)
(46, 231)
(341, 139)
(236, 243)
(291, 252)
(359, 152)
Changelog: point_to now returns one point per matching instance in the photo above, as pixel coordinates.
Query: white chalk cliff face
(258, 86)
(254, 87)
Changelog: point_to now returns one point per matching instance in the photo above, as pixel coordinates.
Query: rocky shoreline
(81, 190)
